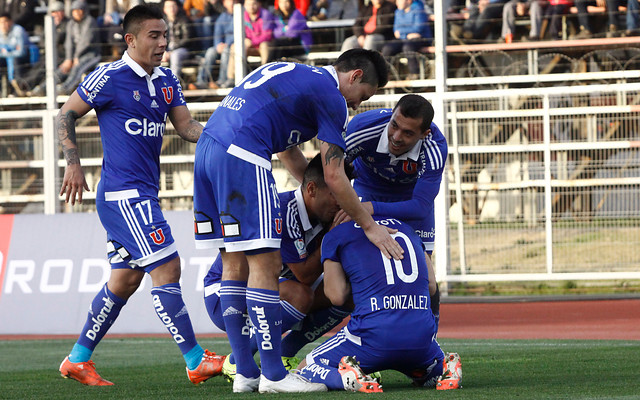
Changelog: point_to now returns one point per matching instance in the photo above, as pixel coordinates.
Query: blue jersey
(277, 106)
(300, 235)
(132, 109)
(401, 187)
(391, 297)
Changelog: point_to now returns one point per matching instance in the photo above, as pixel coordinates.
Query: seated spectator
(484, 15)
(110, 24)
(37, 72)
(583, 17)
(291, 36)
(222, 41)
(300, 5)
(633, 19)
(258, 29)
(412, 32)
(202, 23)
(179, 36)
(553, 13)
(212, 11)
(342, 9)
(318, 10)
(519, 8)
(14, 48)
(373, 27)
(82, 52)
(23, 12)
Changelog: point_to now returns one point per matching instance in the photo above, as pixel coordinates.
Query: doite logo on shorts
(263, 328)
(166, 319)
(99, 319)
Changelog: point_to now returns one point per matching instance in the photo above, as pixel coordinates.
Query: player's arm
(187, 128)
(336, 179)
(73, 182)
(307, 271)
(294, 161)
(336, 286)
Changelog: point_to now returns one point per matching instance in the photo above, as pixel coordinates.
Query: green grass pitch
(152, 368)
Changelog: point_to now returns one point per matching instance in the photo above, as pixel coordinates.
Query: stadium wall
(53, 266)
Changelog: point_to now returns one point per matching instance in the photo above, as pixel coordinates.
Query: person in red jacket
(373, 27)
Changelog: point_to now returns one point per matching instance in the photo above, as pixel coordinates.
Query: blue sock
(314, 326)
(168, 303)
(103, 311)
(264, 310)
(233, 299)
(323, 374)
(290, 317)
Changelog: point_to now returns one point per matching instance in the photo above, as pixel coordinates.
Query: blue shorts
(421, 362)
(236, 204)
(138, 236)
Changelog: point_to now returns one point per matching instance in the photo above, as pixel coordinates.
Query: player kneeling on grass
(391, 327)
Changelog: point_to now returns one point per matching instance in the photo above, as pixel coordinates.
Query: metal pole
(238, 39)
(50, 146)
(441, 205)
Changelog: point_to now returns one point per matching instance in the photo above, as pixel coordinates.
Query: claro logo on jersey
(92, 95)
(145, 127)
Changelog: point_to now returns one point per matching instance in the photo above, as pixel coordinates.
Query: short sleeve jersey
(383, 177)
(278, 106)
(391, 297)
(300, 235)
(132, 109)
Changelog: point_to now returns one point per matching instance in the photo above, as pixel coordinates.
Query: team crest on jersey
(409, 167)
(167, 92)
(136, 95)
(157, 236)
(278, 222)
(302, 250)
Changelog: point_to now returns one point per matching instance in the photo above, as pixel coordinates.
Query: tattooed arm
(73, 182)
(187, 128)
(337, 181)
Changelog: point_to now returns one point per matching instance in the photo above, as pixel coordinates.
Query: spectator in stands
(81, 50)
(633, 18)
(300, 5)
(258, 30)
(110, 25)
(196, 12)
(412, 32)
(519, 8)
(484, 15)
(179, 35)
(222, 40)
(14, 48)
(318, 10)
(23, 12)
(36, 73)
(373, 27)
(212, 11)
(583, 17)
(342, 9)
(553, 14)
(291, 35)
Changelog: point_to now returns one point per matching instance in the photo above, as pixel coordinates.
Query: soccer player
(391, 326)
(132, 98)
(398, 157)
(236, 207)
(308, 213)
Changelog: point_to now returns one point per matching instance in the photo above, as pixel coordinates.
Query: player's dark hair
(373, 65)
(138, 14)
(315, 172)
(415, 106)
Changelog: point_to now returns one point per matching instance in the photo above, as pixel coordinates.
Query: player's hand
(73, 183)
(381, 237)
(340, 217)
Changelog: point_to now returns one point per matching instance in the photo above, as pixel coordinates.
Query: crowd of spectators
(200, 32)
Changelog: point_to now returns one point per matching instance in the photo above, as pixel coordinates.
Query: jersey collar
(302, 210)
(138, 69)
(383, 147)
(332, 71)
